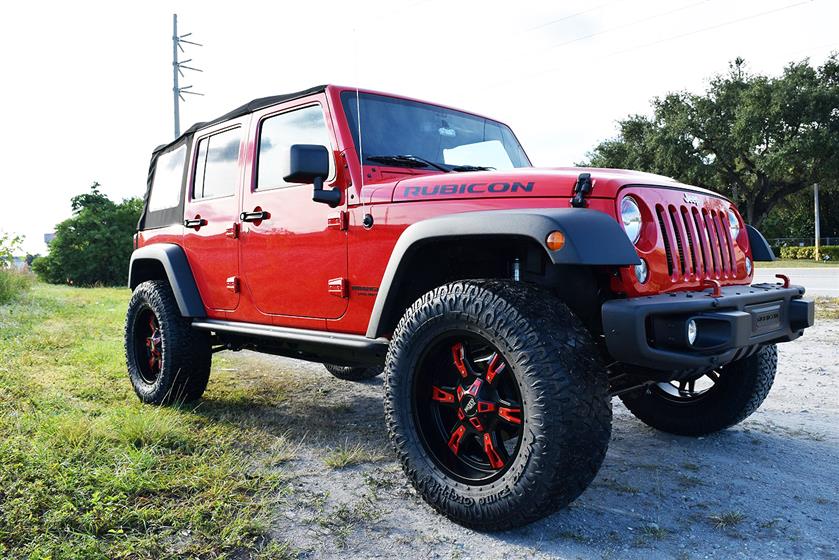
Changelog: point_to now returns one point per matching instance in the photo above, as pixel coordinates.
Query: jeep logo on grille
(691, 199)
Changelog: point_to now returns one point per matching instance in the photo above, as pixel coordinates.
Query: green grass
(727, 519)
(796, 263)
(86, 471)
(348, 455)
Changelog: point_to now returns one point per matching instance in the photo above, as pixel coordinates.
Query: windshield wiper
(472, 168)
(408, 161)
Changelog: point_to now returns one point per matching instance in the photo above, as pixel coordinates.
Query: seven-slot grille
(697, 242)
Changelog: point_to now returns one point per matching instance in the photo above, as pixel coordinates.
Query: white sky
(86, 86)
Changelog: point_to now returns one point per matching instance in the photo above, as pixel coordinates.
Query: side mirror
(309, 163)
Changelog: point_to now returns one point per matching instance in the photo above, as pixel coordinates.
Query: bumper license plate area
(765, 317)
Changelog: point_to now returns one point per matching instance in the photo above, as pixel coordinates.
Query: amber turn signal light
(555, 240)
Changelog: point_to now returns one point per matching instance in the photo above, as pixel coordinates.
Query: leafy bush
(827, 252)
(12, 283)
(94, 246)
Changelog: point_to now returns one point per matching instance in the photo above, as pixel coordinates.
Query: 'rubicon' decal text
(439, 190)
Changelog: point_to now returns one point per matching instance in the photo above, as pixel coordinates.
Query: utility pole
(177, 71)
(818, 229)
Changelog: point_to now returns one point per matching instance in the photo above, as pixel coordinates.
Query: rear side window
(278, 134)
(168, 177)
(217, 165)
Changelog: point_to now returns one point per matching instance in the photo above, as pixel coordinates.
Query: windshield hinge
(582, 187)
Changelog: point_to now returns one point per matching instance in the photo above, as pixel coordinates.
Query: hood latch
(582, 187)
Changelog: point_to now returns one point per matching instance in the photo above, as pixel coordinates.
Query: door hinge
(338, 221)
(233, 231)
(338, 287)
(582, 187)
(233, 284)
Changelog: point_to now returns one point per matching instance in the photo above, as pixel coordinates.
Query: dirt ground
(768, 488)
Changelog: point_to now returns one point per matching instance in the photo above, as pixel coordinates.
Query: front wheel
(496, 402)
(709, 402)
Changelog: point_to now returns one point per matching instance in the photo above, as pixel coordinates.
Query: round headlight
(631, 218)
(748, 266)
(733, 224)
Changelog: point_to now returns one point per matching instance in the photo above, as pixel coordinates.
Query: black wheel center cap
(469, 405)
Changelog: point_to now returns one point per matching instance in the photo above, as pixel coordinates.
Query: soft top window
(168, 176)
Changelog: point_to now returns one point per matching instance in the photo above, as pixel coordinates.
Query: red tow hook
(785, 278)
(709, 283)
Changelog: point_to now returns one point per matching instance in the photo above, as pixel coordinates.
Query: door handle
(256, 216)
(195, 223)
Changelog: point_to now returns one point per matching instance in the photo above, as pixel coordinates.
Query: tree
(9, 245)
(95, 244)
(758, 139)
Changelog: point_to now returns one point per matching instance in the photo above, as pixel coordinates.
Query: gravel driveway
(764, 489)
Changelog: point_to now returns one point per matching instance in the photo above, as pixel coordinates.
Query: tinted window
(168, 176)
(391, 126)
(278, 134)
(217, 164)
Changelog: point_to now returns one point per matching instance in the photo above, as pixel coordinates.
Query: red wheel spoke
(477, 424)
(460, 361)
(443, 395)
(496, 366)
(511, 414)
(484, 407)
(474, 388)
(456, 438)
(495, 460)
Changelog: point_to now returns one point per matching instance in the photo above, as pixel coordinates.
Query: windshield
(395, 128)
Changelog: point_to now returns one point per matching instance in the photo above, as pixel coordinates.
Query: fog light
(748, 266)
(691, 332)
(642, 272)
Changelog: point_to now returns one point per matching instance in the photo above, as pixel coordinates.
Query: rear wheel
(496, 402)
(168, 361)
(709, 402)
(353, 373)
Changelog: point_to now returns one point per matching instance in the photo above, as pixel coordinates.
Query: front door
(294, 250)
(210, 239)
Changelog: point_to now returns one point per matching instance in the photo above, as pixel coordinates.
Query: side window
(278, 134)
(168, 176)
(217, 164)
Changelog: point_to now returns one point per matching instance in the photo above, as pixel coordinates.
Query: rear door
(294, 261)
(211, 213)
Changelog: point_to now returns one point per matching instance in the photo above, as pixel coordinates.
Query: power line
(625, 25)
(709, 28)
(570, 16)
(673, 38)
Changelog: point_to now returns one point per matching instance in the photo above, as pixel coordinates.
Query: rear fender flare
(178, 272)
(592, 238)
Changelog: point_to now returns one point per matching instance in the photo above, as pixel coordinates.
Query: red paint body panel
(286, 263)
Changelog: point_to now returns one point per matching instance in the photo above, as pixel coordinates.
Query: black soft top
(171, 216)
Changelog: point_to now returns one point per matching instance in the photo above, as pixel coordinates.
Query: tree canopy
(757, 139)
(94, 245)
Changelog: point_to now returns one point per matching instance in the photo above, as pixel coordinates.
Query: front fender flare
(178, 272)
(592, 238)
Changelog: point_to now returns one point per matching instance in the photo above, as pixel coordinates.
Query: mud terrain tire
(168, 361)
(739, 390)
(565, 407)
(351, 373)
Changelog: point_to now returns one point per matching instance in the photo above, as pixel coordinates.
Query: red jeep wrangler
(505, 304)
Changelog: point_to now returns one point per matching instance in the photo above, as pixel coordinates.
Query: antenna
(178, 68)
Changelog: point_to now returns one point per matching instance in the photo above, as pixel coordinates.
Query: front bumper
(651, 332)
